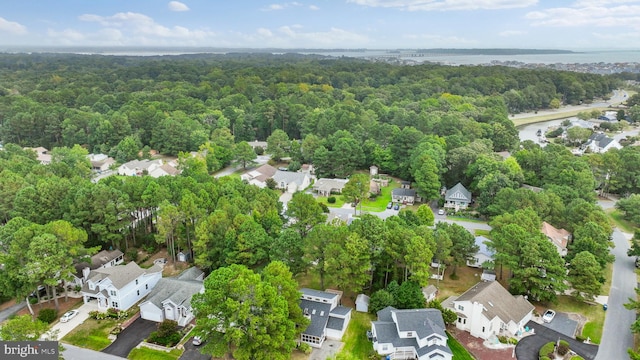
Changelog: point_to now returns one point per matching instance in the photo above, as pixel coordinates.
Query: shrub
(563, 348)
(166, 335)
(580, 338)
(331, 199)
(259, 150)
(503, 339)
(513, 341)
(545, 358)
(132, 254)
(98, 315)
(547, 350)
(47, 315)
(305, 348)
(33, 300)
(577, 357)
(325, 208)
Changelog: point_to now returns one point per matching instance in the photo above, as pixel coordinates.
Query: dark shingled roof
(318, 322)
(458, 192)
(335, 323)
(341, 310)
(318, 293)
(497, 301)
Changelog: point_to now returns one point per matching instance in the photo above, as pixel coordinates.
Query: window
(460, 307)
(138, 291)
(146, 286)
(136, 281)
(114, 304)
(409, 334)
(483, 329)
(113, 293)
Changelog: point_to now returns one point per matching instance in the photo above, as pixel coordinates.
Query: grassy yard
(622, 224)
(467, 277)
(558, 115)
(144, 353)
(608, 274)
(480, 232)
(381, 201)
(355, 339)
(92, 334)
(338, 204)
(459, 352)
(593, 313)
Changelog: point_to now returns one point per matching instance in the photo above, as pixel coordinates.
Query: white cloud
(295, 36)
(433, 40)
(282, 6)
(508, 33)
(140, 24)
(313, 7)
(177, 6)
(593, 13)
(445, 5)
(12, 27)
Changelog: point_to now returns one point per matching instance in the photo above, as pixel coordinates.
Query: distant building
(100, 162)
(559, 237)
(483, 255)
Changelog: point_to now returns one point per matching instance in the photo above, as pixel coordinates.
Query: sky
(324, 24)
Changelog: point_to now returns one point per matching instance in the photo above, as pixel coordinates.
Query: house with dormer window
(410, 334)
(329, 320)
(458, 197)
(119, 287)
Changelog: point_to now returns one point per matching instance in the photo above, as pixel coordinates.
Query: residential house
(487, 309)
(139, 167)
(600, 143)
(167, 169)
(430, 292)
(483, 255)
(326, 187)
(329, 320)
(258, 144)
(403, 195)
(119, 287)
(559, 237)
(373, 170)
(458, 197)
(100, 162)
(42, 155)
(291, 181)
(410, 334)
(362, 303)
(101, 260)
(306, 168)
(170, 299)
(259, 175)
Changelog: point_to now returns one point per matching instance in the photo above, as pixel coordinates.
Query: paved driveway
(562, 324)
(193, 352)
(329, 349)
(528, 347)
(71, 352)
(130, 337)
(83, 314)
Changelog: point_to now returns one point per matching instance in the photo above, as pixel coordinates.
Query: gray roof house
(487, 309)
(483, 254)
(410, 334)
(103, 259)
(600, 143)
(291, 181)
(329, 320)
(325, 187)
(170, 299)
(458, 197)
(119, 287)
(403, 195)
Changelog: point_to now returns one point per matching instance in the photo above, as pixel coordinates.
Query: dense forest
(433, 125)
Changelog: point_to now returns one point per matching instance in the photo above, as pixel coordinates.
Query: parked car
(68, 315)
(396, 207)
(41, 290)
(441, 212)
(548, 316)
(389, 205)
(638, 262)
(197, 341)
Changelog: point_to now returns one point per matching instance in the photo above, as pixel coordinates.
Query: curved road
(617, 97)
(616, 335)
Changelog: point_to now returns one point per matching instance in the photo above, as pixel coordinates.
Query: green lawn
(338, 204)
(92, 334)
(459, 352)
(144, 353)
(381, 201)
(593, 313)
(608, 274)
(546, 117)
(620, 222)
(480, 232)
(355, 339)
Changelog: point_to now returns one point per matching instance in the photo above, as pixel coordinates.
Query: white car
(197, 341)
(68, 316)
(548, 316)
(441, 212)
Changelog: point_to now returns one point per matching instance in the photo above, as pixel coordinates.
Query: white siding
(149, 311)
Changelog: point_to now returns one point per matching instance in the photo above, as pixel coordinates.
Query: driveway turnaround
(562, 324)
(528, 347)
(193, 352)
(130, 337)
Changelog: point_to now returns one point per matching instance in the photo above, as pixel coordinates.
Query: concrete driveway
(65, 328)
(130, 337)
(329, 349)
(192, 352)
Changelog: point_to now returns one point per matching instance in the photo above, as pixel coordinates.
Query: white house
(326, 187)
(487, 309)
(410, 334)
(600, 143)
(329, 320)
(362, 303)
(138, 167)
(100, 162)
(42, 155)
(458, 197)
(170, 299)
(291, 181)
(119, 287)
(101, 260)
(483, 255)
(430, 292)
(259, 175)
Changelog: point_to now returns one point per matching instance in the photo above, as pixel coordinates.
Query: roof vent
(490, 304)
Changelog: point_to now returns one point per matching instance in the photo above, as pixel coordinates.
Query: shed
(362, 303)
(430, 293)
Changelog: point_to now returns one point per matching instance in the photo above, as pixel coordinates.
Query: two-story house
(103, 259)
(329, 320)
(119, 287)
(560, 238)
(488, 309)
(410, 334)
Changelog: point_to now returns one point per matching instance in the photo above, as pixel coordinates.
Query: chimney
(85, 273)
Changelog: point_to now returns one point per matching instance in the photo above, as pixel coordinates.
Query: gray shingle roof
(318, 322)
(289, 177)
(341, 311)
(403, 192)
(318, 293)
(335, 323)
(121, 275)
(423, 321)
(497, 301)
(176, 290)
(457, 193)
(192, 273)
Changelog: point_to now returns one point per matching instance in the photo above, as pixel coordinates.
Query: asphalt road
(130, 337)
(616, 336)
(617, 97)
